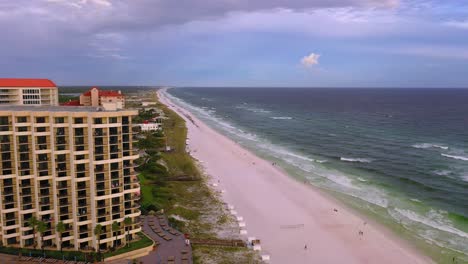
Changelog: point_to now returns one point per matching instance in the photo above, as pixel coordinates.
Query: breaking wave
(455, 157)
(363, 160)
(281, 117)
(429, 145)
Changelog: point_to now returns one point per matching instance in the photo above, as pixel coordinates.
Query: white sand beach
(286, 214)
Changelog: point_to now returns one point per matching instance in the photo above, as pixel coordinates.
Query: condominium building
(69, 164)
(28, 92)
(108, 99)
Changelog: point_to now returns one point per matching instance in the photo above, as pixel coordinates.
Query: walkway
(171, 248)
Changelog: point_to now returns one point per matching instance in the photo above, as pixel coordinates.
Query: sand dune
(286, 214)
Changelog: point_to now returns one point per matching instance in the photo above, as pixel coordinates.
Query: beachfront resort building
(28, 92)
(67, 164)
(110, 100)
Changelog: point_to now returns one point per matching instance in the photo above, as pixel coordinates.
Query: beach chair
(185, 261)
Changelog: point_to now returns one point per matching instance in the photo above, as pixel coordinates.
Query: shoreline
(287, 215)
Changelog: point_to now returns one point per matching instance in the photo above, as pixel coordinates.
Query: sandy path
(285, 214)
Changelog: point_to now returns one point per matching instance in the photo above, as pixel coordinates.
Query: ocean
(398, 155)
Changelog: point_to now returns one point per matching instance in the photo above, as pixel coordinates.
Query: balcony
(28, 206)
(100, 206)
(44, 185)
(8, 191)
(62, 185)
(26, 192)
(44, 194)
(43, 146)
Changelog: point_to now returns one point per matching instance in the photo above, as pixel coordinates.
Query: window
(60, 120)
(4, 120)
(78, 120)
(40, 119)
(22, 119)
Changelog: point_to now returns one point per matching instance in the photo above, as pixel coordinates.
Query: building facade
(110, 100)
(69, 164)
(28, 92)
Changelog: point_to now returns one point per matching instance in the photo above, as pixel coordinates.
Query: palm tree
(115, 229)
(98, 232)
(32, 222)
(60, 228)
(41, 228)
(127, 223)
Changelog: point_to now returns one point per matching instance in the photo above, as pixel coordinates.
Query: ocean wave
(434, 219)
(210, 115)
(442, 172)
(363, 160)
(429, 145)
(455, 157)
(253, 109)
(281, 117)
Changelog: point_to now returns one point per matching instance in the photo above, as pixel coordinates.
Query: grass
(143, 242)
(223, 255)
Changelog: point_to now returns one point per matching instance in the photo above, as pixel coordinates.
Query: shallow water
(400, 152)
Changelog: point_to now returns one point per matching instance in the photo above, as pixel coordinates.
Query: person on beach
(305, 247)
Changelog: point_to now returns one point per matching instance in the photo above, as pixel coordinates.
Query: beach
(295, 222)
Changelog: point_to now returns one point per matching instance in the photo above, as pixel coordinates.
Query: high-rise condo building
(68, 164)
(28, 92)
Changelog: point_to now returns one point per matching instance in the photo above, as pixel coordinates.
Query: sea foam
(455, 157)
(363, 160)
(434, 219)
(429, 145)
(442, 172)
(281, 117)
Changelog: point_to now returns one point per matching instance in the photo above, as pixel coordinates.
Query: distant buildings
(28, 92)
(110, 100)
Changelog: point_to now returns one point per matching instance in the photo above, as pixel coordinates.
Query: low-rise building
(110, 100)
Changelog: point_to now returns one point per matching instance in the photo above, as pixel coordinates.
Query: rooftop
(36, 83)
(51, 108)
(105, 93)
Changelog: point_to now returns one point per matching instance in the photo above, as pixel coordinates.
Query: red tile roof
(106, 93)
(71, 103)
(10, 82)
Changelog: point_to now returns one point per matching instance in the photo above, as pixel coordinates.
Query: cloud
(310, 60)
(436, 51)
(457, 24)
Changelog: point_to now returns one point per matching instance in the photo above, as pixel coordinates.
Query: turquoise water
(401, 154)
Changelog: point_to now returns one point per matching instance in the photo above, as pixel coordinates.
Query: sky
(307, 43)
